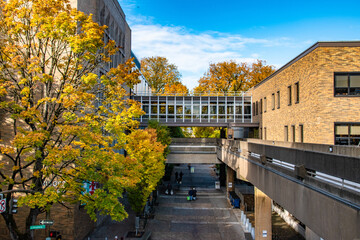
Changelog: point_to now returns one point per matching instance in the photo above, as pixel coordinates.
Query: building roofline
(309, 50)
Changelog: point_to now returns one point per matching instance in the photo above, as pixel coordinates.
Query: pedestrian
(181, 174)
(194, 193)
(191, 192)
(189, 166)
(169, 190)
(176, 175)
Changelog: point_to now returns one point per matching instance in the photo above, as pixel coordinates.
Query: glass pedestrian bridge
(196, 110)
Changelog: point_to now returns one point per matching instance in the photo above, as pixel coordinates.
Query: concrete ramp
(193, 150)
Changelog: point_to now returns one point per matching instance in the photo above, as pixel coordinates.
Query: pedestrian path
(208, 217)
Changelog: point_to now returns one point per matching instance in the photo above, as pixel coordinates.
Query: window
(265, 104)
(289, 95)
(293, 133)
(286, 134)
(301, 133)
(347, 134)
(273, 101)
(261, 106)
(347, 84)
(297, 93)
(254, 109)
(257, 108)
(278, 99)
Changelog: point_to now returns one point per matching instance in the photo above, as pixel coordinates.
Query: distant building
(143, 88)
(314, 98)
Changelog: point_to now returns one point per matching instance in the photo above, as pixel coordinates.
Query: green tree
(163, 134)
(159, 73)
(148, 152)
(67, 123)
(206, 132)
(146, 147)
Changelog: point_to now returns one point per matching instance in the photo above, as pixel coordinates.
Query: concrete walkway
(209, 217)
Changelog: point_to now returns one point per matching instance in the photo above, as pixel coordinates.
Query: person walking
(177, 177)
(190, 194)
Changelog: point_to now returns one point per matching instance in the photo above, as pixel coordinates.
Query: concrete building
(314, 98)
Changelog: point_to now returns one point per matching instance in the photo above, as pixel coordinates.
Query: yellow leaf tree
(159, 73)
(65, 121)
(176, 89)
(229, 77)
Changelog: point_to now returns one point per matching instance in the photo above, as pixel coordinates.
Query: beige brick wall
(317, 109)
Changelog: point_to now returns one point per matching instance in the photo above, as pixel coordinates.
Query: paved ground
(209, 217)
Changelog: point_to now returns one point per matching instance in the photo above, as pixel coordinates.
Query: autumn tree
(176, 89)
(159, 73)
(65, 122)
(149, 153)
(259, 71)
(229, 76)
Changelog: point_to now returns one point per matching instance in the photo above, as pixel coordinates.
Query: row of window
(345, 133)
(292, 137)
(261, 106)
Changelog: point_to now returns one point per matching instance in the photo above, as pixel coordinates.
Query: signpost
(2, 205)
(33, 227)
(46, 222)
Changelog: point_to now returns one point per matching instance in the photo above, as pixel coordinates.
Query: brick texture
(317, 109)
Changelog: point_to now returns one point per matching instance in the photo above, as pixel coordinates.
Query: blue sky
(192, 34)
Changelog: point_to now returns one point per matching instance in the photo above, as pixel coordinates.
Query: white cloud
(192, 52)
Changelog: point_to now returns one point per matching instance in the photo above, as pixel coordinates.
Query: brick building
(315, 98)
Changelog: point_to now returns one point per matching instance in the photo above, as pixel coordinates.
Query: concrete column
(222, 176)
(311, 235)
(262, 215)
(230, 179)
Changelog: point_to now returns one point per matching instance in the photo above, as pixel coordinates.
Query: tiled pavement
(209, 217)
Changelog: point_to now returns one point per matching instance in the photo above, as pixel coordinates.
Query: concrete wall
(325, 215)
(317, 109)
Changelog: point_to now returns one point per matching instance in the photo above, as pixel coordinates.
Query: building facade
(315, 98)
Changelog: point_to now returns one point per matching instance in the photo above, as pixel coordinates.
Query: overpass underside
(193, 151)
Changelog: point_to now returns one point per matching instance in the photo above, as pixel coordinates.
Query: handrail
(195, 94)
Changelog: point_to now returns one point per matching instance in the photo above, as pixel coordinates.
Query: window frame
(293, 130)
(286, 133)
(297, 93)
(273, 101)
(348, 74)
(289, 95)
(301, 132)
(278, 99)
(265, 104)
(348, 125)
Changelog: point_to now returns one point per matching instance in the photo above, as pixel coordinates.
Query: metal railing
(193, 93)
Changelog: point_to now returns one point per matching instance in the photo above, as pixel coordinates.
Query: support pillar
(262, 215)
(230, 173)
(222, 176)
(311, 235)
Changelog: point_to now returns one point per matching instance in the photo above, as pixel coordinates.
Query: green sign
(37, 227)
